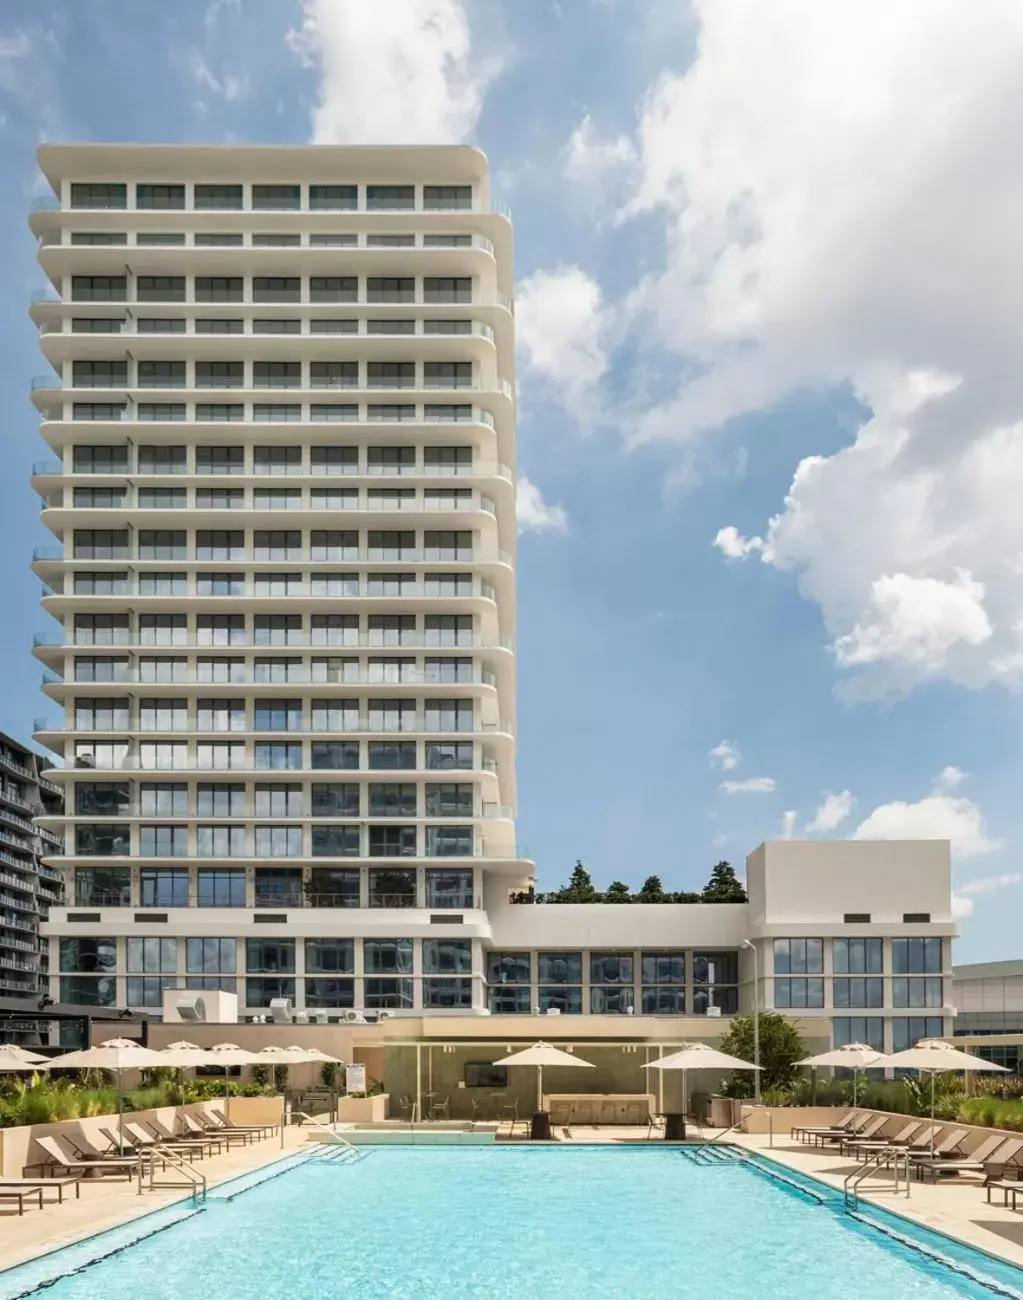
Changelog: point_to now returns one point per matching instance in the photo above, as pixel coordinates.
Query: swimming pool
(519, 1222)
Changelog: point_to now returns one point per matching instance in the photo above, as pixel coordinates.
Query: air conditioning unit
(301, 1017)
(191, 1008)
(714, 1012)
(385, 1015)
(318, 1018)
(280, 1010)
(353, 1017)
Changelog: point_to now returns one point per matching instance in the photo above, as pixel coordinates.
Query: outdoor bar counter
(599, 1108)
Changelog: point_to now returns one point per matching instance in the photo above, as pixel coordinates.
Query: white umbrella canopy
(12, 1062)
(936, 1055)
(853, 1056)
(543, 1054)
(20, 1053)
(698, 1056)
(118, 1055)
(184, 1054)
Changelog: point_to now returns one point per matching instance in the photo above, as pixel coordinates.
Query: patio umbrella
(853, 1056)
(118, 1055)
(227, 1054)
(183, 1054)
(19, 1053)
(13, 1061)
(936, 1055)
(541, 1054)
(698, 1056)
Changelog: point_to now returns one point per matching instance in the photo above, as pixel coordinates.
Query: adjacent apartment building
(28, 886)
(281, 416)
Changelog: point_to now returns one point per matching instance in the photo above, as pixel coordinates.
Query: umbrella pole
(856, 1083)
(933, 1072)
(539, 1087)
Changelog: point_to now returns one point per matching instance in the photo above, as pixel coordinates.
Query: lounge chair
(44, 1184)
(997, 1178)
(220, 1121)
(13, 1194)
(995, 1150)
(864, 1146)
(209, 1143)
(232, 1137)
(141, 1141)
(872, 1126)
(59, 1158)
(845, 1123)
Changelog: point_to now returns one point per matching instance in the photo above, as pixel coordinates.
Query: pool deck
(108, 1203)
(958, 1208)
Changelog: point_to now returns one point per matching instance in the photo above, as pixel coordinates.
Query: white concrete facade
(282, 411)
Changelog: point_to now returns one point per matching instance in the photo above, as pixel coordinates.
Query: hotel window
(163, 841)
(88, 969)
(219, 288)
(392, 841)
(104, 583)
(100, 754)
(449, 630)
(278, 672)
(211, 964)
(163, 756)
(158, 412)
(102, 629)
(908, 1030)
(100, 544)
(859, 1029)
(559, 975)
(273, 197)
(450, 799)
(152, 967)
(277, 715)
(103, 887)
(716, 982)
(395, 888)
(798, 956)
(335, 460)
(392, 715)
(390, 958)
(220, 460)
(99, 374)
(333, 198)
(273, 961)
(916, 957)
(336, 842)
(450, 841)
(449, 889)
(857, 956)
(278, 801)
(392, 799)
(208, 197)
(391, 629)
(219, 756)
(161, 288)
(334, 887)
(334, 715)
(161, 324)
(163, 887)
(163, 629)
(220, 888)
(858, 992)
(446, 545)
(612, 976)
(101, 799)
(99, 498)
(160, 669)
(333, 545)
(99, 288)
(390, 198)
(329, 957)
(392, 670)
(96, 325)
(102, 841)
(450, 958)
(220, 842)
(220, 715)
(508, 980)
(453, 756)
(923, 992)
(97, 668)
(163, 799)
(160, 714)
(447, 197)
(333, 584)
(278, 886)
(449, 715)
(220, 801)
(278, 841)
(447, 288)
(806, 992)
(337, 756)
(101, 714)
(163, 544)
(99, 194)
(100, 460)
(663, 990)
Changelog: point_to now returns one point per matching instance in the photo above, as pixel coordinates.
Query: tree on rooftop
(617, 892)
(724, 886)
(652, 891)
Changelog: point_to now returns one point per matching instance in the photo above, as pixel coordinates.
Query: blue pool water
(527, 1223)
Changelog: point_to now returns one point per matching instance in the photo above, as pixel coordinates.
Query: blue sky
(769, 315)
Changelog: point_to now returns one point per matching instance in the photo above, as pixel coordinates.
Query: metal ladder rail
(194, 1180)
(336, 1140)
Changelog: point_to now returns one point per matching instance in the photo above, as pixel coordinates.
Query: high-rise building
(28, 887)
(282, 415)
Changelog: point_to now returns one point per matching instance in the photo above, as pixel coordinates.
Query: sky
(769, 309)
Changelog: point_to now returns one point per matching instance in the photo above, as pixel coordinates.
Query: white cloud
(719, 840)
(400, 72)
(560, 324)
(949, 777)
(788, 823)
(962, 907)
(752, 785)
(936, 817)
(839, 201)
(725, 755)
(831, 813)
(228, 85)
(590, 157)
(731, 543)
(533, 514)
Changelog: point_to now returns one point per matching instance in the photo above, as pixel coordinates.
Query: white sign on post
(355, 1078)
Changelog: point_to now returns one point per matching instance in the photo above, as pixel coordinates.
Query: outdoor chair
(232, 1137)
(995, 1150)
(59, 1158)
(441, 1109)
(44, 1184)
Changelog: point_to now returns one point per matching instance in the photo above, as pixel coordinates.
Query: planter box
(362, 1110)
(780, 1119)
